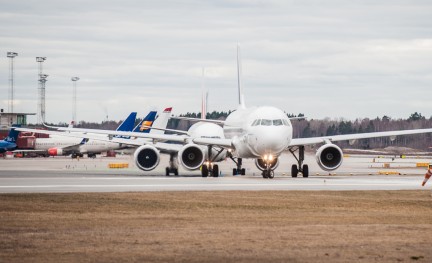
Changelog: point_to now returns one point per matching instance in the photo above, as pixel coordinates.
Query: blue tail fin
(13, 134)
(147, 121)
(128, 123)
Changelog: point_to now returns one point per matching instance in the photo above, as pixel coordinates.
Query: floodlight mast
(74, 98)
(41, 91)
(11, 56)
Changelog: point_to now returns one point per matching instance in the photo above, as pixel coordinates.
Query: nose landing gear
(210, 170)
(268, 174)
(173, 167)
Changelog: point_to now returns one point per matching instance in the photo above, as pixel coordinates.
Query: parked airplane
(9, 143)
(60, 145)
(261, 133)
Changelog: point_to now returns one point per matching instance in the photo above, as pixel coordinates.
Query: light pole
(41, 91)
(74, 81)
(11, 56)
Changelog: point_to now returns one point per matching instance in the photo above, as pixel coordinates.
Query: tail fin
(147, 122)
(161, 121)
(128, 123)
(13, 134)
(204, 98)
(239, 84)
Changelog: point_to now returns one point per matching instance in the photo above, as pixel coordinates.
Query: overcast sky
(329, 58)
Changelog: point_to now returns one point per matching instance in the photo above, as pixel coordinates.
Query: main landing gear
(239, 170)
(173, 167)
(208, 168)
(301, 168)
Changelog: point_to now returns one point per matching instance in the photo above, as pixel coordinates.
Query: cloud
(324, 58)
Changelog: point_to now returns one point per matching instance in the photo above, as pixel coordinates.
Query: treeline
(303, 128)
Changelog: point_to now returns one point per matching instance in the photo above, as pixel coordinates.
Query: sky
(326, 59)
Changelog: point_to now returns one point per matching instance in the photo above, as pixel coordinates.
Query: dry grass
(365, 226)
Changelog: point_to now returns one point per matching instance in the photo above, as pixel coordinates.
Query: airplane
(261, 133)
(9, 143)
(60, 145)
(147, 156)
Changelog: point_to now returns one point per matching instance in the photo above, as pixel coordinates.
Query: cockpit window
(256, 122)
(265, 122)
(277, 122)
(286, 123)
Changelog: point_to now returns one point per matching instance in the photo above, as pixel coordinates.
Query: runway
(63, 175)
(78, 182)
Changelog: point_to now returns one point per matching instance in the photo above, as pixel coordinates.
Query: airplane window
(277, 122)
(266, 122)
(256, 122)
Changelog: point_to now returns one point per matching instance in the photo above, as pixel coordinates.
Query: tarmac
(63, 175)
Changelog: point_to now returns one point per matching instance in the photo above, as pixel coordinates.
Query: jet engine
(191, 156)
(261, 164)
(55, 151)
(147, 157)
(329, 157)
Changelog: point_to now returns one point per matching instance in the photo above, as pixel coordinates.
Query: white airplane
(147, 156)
(260, 133)
(77, 146)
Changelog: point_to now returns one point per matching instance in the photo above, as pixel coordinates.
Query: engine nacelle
(55, 151)
(147, 157)
(191, 156)
(329, 157)
(261, 164)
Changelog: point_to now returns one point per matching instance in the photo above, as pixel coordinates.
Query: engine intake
(261, 164)
(329, 157)
(191, 156)
(146, 157)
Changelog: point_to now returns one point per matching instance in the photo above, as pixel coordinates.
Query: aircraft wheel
(176, 172)
(215, 170)
(294, 170)
(271, 174)
(204, 171)
(167, 171)
(234, 171)
(264, 174)
(243, 171)
(305, 170)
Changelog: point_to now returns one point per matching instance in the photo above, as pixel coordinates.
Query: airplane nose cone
(270, 144)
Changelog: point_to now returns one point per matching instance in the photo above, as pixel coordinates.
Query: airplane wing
(227, 143)
(163, 147)
(349, 137)
(197, 119)
(92, 134)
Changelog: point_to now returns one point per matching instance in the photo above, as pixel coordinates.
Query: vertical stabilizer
(146, 123)
(204, 97)
(239, 84)
(12, 135)
(128, 123)
(161, 121)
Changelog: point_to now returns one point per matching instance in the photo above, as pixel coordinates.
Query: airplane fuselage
(258, 132)
(91, 146)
